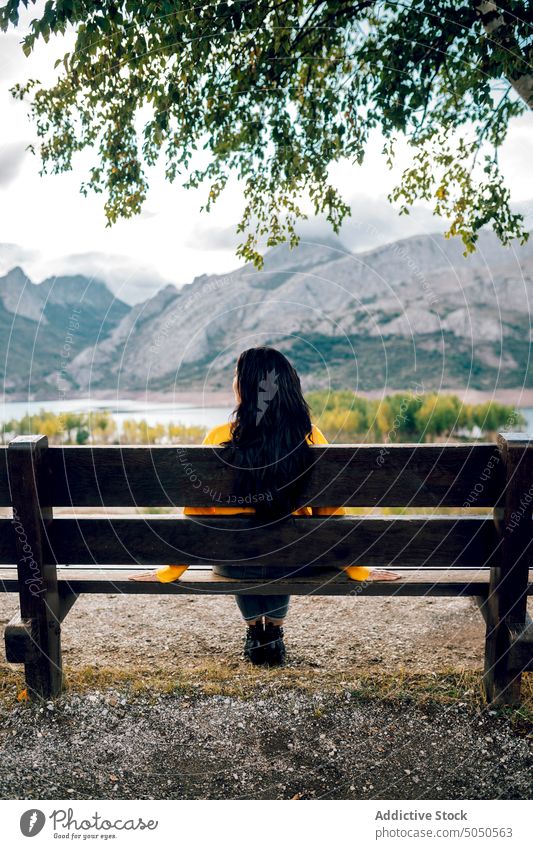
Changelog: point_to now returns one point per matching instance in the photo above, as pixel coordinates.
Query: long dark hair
(268, 444)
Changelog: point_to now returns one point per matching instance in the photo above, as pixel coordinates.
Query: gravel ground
(211, 727)
(283, 746)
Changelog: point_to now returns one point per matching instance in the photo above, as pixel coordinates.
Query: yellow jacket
(221, 434)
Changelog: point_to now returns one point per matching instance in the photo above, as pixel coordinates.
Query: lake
(122, 410)
(528, 413)
(153, 413)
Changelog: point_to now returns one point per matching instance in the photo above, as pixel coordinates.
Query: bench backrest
(410, 476)
(350, 475)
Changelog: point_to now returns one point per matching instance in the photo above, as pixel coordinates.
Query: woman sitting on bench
(268, 443)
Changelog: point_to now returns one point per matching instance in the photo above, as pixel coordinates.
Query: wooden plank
(506, 602)
(202, 581)
(350, 475)
(400, 542)
(37, 579)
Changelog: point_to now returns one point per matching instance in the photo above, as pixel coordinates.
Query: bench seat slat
(392, 475)
(204, 582)
(399, 542)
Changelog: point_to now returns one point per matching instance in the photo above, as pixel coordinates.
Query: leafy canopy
(275, 91)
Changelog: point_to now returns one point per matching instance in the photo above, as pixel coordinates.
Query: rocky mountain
(414, 311)
(46, 326)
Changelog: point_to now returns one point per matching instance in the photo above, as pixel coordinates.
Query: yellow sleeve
(317, 437)
(167, 574)
(355, 573)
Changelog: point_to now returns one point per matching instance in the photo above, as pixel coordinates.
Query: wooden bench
(485, 556)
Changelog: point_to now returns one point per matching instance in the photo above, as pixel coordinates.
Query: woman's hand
(144, 576)
(383, 575)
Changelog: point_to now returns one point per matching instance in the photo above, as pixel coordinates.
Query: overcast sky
(49, 228)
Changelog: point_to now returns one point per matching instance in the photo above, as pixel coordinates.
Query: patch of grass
(464, 688)
(444, 687)
(238, 680)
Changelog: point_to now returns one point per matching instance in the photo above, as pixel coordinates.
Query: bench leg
(37, 644)
(501, 681)
(39, 629)
(507, 637)
(43, 663)
(39, 652)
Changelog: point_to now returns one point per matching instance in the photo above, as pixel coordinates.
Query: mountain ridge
(411, 311)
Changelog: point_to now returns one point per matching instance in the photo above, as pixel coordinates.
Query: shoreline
(193, 398)
(518, 397)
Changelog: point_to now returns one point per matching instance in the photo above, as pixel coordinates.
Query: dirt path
(338, 636)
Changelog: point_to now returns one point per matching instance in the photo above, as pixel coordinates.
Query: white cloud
(373, 222)
(128, 280)
(210, 238)
(11, 158)
(12, 255)
(10, 61)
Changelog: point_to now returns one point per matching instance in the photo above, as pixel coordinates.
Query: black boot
(275, 652)
(254, 649)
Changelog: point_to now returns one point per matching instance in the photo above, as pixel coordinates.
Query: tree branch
(493, 20)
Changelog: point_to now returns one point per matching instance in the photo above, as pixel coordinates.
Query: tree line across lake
(409, 416)
(100, 428)
(342, 415)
